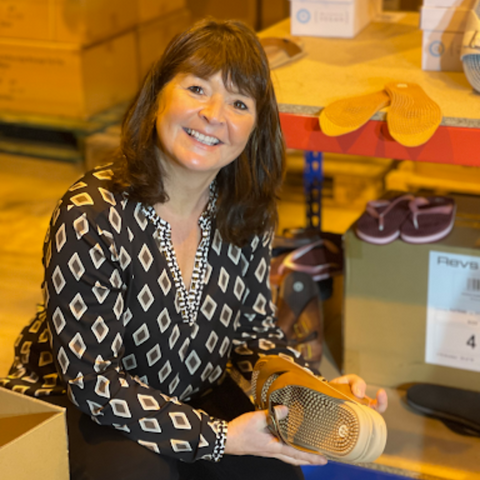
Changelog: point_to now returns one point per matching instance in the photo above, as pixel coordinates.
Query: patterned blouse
(131, 344)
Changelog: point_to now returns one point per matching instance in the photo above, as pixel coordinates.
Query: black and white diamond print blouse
(129, 342)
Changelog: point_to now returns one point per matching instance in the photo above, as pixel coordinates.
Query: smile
(205, 139)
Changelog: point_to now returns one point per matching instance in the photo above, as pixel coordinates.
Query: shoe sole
(319, 422)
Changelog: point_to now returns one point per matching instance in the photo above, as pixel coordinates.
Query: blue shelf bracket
(312, 181)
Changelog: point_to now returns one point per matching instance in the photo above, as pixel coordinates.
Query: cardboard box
(66, 79)
(332, 18)
(33, 439)
(449, 3)
(441, 51)
(443, 19)
(387, 302)
(153, 37)
(84, 22)
(152, 9)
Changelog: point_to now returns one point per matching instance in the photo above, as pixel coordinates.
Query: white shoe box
(441, 51)
(449, 3)
(332, 18)
(443, 19)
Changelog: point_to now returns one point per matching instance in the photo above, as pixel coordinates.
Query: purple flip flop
(321, 259)
(381, 221)
(431, 219)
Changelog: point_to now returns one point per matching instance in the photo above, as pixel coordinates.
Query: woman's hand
(358, 387)
(249, 435)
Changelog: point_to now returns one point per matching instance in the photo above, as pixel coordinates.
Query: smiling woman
(157, 277)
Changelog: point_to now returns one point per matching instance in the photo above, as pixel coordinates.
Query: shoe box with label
(412, 312)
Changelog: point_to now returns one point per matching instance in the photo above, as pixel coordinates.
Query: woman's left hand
(358, 387)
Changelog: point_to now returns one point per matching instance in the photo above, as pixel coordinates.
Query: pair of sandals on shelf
(303, 263)
(413, 219)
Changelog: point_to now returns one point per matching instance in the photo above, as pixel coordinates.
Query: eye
(196, 89)
(240, 105)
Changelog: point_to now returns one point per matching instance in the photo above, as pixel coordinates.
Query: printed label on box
(453, 311)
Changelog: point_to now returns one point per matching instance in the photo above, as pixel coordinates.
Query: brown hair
(248, 187)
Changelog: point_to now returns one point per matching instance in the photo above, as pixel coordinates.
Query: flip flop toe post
(431, 219)
(380, 223)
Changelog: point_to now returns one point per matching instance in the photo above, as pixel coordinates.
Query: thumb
(281, 411)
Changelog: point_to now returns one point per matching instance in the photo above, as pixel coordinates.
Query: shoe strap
(373, 206)
(290, 259)
(420, 206)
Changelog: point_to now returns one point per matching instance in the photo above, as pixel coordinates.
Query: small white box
(449, 3)
(441, 51)
(443, 19)
(332, 18)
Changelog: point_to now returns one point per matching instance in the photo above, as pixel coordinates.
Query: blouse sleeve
(257, 333)
(86, 291)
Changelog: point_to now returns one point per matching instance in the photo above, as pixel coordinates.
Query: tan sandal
(322, 418)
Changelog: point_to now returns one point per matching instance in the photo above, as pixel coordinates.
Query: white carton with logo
(332, 18)
(441, 51)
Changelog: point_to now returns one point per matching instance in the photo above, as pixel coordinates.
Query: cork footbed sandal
(282, 51)
(322, 418)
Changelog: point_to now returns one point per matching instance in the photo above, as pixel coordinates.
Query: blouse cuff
(219, 447)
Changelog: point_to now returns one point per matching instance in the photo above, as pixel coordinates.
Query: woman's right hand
(248, 434)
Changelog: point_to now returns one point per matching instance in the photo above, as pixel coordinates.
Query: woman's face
(201, 124)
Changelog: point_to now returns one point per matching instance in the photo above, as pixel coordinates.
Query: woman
(156, 276)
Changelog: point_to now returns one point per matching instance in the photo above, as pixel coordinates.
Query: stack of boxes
(443, 24)
(74, 59)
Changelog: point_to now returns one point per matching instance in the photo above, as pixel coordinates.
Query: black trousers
(99, 453)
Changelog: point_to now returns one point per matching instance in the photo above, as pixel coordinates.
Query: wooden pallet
(56, 138)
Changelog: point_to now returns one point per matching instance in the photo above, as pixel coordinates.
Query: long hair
(248, 187)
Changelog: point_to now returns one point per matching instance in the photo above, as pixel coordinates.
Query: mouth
(205, 139)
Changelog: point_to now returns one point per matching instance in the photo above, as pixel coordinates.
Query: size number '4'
(471, 342)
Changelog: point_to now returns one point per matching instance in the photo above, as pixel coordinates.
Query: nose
(213, 110)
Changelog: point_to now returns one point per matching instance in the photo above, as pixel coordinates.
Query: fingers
(357, 384)
(380, 403)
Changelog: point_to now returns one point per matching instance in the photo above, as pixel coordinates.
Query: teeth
(203, 138)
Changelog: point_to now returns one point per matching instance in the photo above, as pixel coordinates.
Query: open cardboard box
(33, 439)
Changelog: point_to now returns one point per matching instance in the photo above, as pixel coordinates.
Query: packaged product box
(84, 22)
(412, 312)
(443, 19)
(332, 18)
(153, 37)
(449, 3)
(33, 439)
(70, 80)
(152, 9)
(441, 51)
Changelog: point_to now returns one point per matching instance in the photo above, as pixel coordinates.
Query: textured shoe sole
(334, 426)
